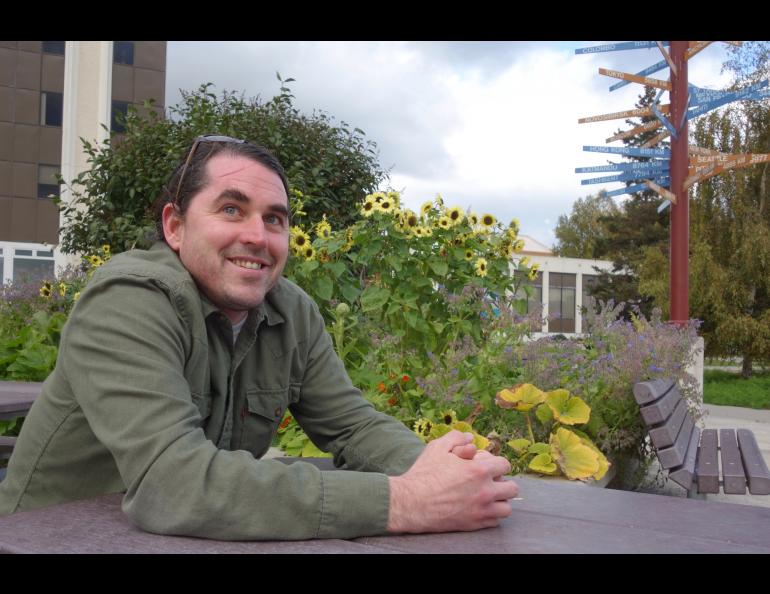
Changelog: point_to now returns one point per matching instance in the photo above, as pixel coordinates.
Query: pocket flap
(268, 403)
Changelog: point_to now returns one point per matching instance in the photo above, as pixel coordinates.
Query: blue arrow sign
(642, 166)
(747, 93)
(630, 150)
(616, 47)
(649, 70)
(663, 120)
(623, 177)
(699, 95)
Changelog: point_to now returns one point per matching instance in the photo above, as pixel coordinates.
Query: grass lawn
(729, 389)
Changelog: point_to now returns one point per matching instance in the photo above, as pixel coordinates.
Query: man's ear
(173, 226)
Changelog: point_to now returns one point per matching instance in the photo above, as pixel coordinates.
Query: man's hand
(451, 487)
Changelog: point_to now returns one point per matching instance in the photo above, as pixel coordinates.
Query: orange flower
(286, 422)
(381, 387)
(405, 378)
(392, 401)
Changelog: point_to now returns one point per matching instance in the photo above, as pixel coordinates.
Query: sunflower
(481, 267)
(514, 226)
(473, 219)
(444, 222)
(46, 290)
(524, 262)
(427, 231)
(308, 252)
(455, 214)
(62, 289)
(323, 229)
(410, 219)
(418, 231)
(439, 200)
(349, 241)
(395, 197)
(469, 255)
(422, 428)
(488, 220)
(385, 205)
(518, 245)
(76, 296)
(95, 261)
(299, 239)
(377, 196)
(448, 416)
(368, 207)
(106, 249)
(426, 208)
(532, 275)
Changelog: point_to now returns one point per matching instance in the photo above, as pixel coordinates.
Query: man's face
(234, 237)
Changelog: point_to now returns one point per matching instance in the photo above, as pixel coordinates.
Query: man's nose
(253, 231)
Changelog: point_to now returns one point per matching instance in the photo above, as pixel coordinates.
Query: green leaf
(539, 448)
(544, 464)
(520, 446)
(440, 267)
(337, 268)
(324, 288)
(374, 298)
(544, 414)
(576, 460)
(394, 262)
(349, 292)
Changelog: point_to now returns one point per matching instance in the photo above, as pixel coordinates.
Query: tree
(582, 233)
(730, 228)
(329, 166)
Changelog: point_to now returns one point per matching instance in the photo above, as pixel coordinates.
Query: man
(178, 363)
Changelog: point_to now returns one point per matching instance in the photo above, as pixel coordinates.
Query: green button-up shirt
(150, 397)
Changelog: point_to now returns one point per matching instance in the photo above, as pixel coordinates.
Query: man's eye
(230, 210)
(274, 220)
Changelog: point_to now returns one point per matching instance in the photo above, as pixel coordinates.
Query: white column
(578, 303)
(87, 107)
(546, 298)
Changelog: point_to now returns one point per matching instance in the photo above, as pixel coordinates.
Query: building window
(534, 296)
(123, 52)
(118, 123)
(51, 108)
(47, 184)
(29, 265)
(53, 47)
(561, 302)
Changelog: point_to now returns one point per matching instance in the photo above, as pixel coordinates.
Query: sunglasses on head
(198, 141)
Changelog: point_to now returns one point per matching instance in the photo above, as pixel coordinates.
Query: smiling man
(177, 364)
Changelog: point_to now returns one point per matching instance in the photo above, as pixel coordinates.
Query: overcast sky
(488, 125)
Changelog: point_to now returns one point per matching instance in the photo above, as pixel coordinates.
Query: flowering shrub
(418, 304)
(602, 367)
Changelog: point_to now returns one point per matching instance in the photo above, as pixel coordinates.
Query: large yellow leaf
(519, 445)
(544, 464)
(521, 397)
(576, 460)
(604, 464)
(567, 410)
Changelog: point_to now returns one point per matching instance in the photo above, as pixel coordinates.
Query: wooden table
(16, 398)
(552, 517)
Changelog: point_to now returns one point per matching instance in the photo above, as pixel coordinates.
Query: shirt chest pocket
(262, 414)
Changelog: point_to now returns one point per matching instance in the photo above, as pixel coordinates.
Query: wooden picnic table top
(554, 516)
(16, 398)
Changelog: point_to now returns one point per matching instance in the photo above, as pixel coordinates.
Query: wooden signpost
(670, 172)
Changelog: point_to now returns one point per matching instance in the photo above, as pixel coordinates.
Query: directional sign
(634, 131)
(623, 176)
(649, 70)
(656, 139)
(636, 188)
(696, 47)
(663, 120)
(642, 80)
(667, 194)
(630, 150)
(666, 57)
(697, 150)
(727, 98)
(637, 166)
(733, 162)
(699, 95)
(616, 47)
(629, 113)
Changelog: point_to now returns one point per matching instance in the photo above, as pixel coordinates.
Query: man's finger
(451, 440)
(495, 465)
(466, 452)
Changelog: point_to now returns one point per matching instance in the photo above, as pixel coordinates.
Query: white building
(561, 286)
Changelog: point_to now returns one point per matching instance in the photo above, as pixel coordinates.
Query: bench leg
(692, 493)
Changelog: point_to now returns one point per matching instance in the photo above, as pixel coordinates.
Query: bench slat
(665, 435)
(685, 475)
(6, 446)
(646, 392)
(757, 474)
(675, 455)
(658, 412)
(733, 476)
(707, 467)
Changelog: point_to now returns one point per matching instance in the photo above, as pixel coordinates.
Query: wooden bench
(690, 454)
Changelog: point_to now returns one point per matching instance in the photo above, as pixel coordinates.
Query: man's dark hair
(194, 174)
